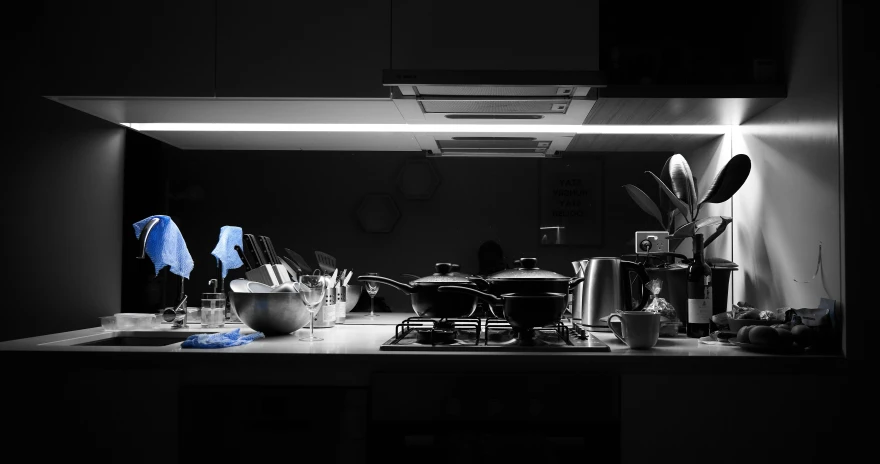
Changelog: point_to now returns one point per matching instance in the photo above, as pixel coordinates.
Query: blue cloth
(225, 252)
(165, 246)
(220, 340)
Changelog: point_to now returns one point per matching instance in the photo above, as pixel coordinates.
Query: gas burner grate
(501, 324)
(436, 330)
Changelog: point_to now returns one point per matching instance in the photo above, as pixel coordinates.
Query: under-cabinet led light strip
(431, 128)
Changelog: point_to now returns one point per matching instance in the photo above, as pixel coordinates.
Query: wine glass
(311, 292)
(372, 289)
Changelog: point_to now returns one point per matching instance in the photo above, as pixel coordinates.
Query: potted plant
(678, 197)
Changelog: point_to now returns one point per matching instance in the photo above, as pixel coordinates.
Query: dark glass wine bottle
(699, 292)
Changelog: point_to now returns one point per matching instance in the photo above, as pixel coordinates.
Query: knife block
(282, 273)
(264, 274)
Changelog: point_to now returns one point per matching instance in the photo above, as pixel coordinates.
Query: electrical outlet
(652, 242)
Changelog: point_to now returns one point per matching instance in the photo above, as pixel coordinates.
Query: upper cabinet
(495, 35)
(688, 44)
(113, 48)
(303, 49)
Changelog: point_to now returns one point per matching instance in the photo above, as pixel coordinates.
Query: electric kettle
(607, 288)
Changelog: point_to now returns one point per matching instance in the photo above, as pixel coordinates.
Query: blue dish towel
(220, 340)
(225, 252)
(165, 246)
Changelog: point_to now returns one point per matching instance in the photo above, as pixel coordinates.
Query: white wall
(791, 200)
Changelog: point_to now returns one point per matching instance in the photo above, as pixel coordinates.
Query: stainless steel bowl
(271, 313)
(352, 295)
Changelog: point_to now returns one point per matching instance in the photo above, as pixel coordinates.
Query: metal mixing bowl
(271, 313)
(352, 295)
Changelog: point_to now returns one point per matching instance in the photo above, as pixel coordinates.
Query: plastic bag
(658, 304)
(669, 322)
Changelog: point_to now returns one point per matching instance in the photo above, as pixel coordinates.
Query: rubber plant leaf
(665, 205)
(710, 221)
(683, 183)
(670, 225)
(685, 231)
(718, 230)
(681, 206)
(644, 202)
(732, 176)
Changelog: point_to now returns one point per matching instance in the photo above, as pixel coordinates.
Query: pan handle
(408, 289)
(471, 291)
(574, 282)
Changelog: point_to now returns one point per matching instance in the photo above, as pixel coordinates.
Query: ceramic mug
(640, 329)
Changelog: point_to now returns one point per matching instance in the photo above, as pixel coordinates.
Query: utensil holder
(340, 304)
(326, 314)
(265, 274)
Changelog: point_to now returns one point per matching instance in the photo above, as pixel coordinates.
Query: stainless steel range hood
(499, 97)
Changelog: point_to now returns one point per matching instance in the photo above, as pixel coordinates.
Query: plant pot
(674, 289)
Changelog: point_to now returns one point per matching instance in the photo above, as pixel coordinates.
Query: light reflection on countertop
(360, 335)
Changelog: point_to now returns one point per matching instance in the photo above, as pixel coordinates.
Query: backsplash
(309, 201)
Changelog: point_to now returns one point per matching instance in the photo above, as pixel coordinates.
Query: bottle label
(700, 309)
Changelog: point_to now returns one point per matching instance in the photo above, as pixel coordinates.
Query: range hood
(496, 97)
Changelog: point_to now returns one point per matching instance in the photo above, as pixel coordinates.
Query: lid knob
(528, 263)
(455, 267)
(443, 268)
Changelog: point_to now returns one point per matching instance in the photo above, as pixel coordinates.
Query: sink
(137, 340)
(126, 338)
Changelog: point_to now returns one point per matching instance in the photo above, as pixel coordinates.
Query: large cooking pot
(523, 311)
(427, 301)
(529, 279)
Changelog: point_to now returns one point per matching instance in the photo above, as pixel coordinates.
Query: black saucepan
(529, 279)
(427, 301)
(522, 311)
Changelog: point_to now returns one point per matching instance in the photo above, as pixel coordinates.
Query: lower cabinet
(494, 417)
(733, 418)
(244, 423)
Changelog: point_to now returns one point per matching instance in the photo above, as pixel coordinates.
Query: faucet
(176, 316)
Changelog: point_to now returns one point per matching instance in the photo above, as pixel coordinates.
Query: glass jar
(213, 310)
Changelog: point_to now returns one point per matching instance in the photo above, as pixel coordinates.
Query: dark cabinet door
(495, 35)
(302, 49)
(685, 43)
(113, 48)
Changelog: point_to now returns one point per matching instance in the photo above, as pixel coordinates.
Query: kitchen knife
(254, 249)
(272, 250)
(244, 258)
(267, 252)
(298, 260)
(291, 264)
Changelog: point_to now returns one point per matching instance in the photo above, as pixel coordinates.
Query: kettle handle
(643, 275)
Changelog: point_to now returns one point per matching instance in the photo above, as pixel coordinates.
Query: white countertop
(359, 335)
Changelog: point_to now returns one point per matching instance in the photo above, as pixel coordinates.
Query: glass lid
(444, 275)
(528, 270)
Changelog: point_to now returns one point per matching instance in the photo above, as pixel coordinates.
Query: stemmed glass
(372, 289)
(311, 292)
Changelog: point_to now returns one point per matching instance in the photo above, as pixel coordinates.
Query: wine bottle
(699, 292)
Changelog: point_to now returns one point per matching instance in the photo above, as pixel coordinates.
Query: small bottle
(699, 293)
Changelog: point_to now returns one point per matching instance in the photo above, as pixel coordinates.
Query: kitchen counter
(385, 402)
(356, 344)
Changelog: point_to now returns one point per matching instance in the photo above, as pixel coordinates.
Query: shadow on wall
(308, 201)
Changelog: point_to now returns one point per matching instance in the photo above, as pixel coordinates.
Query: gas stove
(475, 334)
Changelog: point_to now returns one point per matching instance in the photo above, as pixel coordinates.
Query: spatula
(326, 262)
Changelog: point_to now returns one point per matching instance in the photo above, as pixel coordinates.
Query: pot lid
(443, 275)
(528, 270)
